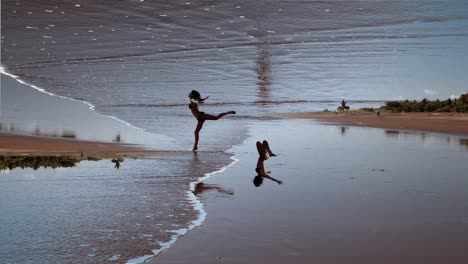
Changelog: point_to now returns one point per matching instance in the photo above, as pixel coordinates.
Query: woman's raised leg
(267, 148)
(213, 117)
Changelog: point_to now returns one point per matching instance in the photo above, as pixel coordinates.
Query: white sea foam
(197, 205)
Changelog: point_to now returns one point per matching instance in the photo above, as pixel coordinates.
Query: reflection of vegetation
(396, 133)
(117, 138)
(35, 162)
(464, 142)
(344, 130)
(392, 133)
(449, 105)
(10, 127)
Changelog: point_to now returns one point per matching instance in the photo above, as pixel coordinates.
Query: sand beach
(453, 123)
(17, 145)
(97, 131)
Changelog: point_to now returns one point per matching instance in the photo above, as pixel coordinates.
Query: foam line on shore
(42, 90)
(197, 205)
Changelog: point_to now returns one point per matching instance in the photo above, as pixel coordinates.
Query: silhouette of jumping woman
(264, 153)
(195, 101)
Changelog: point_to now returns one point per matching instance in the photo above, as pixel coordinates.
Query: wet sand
(358, 195)
(14, 145)
(453, 123)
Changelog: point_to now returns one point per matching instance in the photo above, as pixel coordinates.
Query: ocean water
(136, 61)
(139, 59)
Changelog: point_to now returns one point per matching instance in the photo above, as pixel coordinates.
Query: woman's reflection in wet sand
(198, 166)
(202, 187)
(264, 153)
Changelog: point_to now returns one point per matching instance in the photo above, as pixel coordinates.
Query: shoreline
(448, 123)
(26, 145)
(20, 145)
(197, 204)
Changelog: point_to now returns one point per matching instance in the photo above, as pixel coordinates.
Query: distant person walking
(264, 153)
(195, 101)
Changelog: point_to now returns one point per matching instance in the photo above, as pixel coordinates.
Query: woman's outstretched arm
(273, 179)
(202, 100)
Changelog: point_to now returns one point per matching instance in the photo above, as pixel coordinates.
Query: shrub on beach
(425, 105)
(367, 109)
(461, 104)
(341, 108)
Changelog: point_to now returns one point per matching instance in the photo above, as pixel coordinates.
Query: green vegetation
(367, 109)
(13, 162)
(464, 142)
(68, 134)
(449, 105)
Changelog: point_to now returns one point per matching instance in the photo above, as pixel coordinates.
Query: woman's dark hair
(195, 95)
(258, 180)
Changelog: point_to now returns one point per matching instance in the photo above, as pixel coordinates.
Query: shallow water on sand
(95, 213)
(26, 111)
(349, 194)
